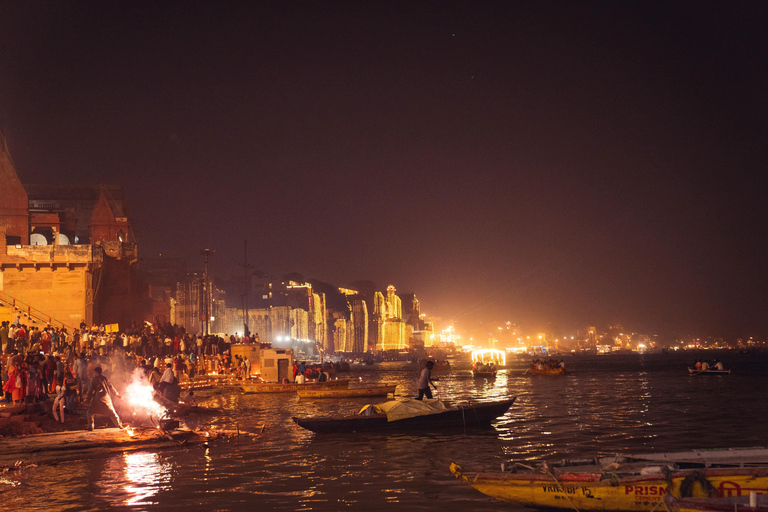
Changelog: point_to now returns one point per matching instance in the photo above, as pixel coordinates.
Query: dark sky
(553, 164)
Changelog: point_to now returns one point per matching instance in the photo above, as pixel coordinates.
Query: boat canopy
(489, 355)
(409, 408)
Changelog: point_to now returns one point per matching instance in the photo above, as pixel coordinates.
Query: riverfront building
(67, 254)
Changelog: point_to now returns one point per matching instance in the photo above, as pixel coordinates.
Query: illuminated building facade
(387, 313)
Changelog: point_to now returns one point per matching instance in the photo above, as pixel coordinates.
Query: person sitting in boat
(323, 376)
(425, 380)
(698, 365)
(300, 378)
(704, 366)
(719, 365)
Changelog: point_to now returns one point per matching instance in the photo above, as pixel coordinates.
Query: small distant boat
(749, 503)
(346, 393)
(409, 415)
(484, 373)
(636, 483)
(275, 387)
(546, 371)
(708, 371)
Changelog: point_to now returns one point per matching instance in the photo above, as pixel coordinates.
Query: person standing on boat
(425, 380)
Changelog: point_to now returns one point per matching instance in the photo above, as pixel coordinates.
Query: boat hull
(479, 374)
(545, 371)
(694, 371)
(265, 387)
(727, 504)
(593, 491)
(346, 393)
(477, 415)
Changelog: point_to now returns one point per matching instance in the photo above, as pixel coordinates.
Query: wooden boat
(426, 415)
(346, 393)
(484, 374)
(275, 387)
(545, 371)
(751, 503)
(708, 371)
(56, 447)
(627, 484)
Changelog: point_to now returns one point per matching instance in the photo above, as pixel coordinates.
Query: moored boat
(410, 415)
(626, 484)
(750, 503)
(484, 374)
(347, 393)
(275, 387)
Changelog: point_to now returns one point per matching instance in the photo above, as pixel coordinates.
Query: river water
(605, 405)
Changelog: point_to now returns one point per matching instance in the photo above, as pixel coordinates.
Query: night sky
(552, 164)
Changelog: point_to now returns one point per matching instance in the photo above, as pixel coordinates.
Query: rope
(563, 488)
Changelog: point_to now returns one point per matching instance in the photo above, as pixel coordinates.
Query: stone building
(67, 253)
(388, 321)
(197, 308)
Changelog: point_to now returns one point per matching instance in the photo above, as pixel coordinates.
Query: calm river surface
(607, 404)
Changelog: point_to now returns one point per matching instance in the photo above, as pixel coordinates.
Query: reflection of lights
(148, 473)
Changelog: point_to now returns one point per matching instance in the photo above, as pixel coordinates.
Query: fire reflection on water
(149, 474)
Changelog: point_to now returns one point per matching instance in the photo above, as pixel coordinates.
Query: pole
(246, 334)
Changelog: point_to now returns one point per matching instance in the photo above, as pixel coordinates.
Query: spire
(14, 206)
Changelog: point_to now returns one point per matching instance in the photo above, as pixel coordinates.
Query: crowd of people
(480, 366)
(40, 364)
(547, 364)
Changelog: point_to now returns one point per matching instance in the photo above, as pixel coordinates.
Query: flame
(130, 431)
(139, 396)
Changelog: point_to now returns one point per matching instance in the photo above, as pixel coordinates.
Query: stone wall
(51, 293)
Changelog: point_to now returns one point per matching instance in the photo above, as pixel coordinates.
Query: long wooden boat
(754, 503)
(546, 371)
(619, 486)
(275, 387)
(430, 415)
(708, 371)
(347, 393)
(484, 374)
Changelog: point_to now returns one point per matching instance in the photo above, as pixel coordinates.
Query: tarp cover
(401, 409)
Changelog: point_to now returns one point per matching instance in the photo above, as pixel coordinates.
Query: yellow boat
(620, 486)
(346, 393)
(275, 387)
(754, 503)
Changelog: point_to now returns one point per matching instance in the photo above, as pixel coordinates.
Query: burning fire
(139, 396)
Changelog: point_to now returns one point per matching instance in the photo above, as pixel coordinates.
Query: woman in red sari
(17, 381)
